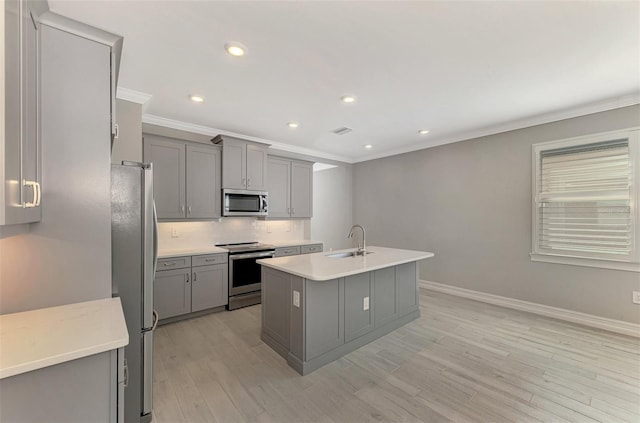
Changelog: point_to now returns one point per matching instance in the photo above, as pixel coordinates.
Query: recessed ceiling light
(423, 131)
(235, 49)
(348, 99)
(368, 146)
(197, 98)
(292, 124)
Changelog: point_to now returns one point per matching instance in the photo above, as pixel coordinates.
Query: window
(585, 205)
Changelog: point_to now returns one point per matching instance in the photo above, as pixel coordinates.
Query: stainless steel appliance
(134, 240)
(245, 275)
(244, 203)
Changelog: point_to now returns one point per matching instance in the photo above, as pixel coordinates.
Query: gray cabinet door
(172, 293)
(407, 282)
(276, 309)
(203, 182)
(234, 162)
(279, 187)
(301, 190)
(168, 159)
(209, 287)
(256, 167)
(20, 141)
(324, 306)
(357, 320)
(385, 294)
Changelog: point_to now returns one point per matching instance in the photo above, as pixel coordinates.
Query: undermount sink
(347, 254)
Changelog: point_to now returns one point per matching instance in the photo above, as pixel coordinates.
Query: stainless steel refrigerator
(134, 241)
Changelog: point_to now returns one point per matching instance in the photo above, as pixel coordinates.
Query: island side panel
(357, 320)
(324, 323)
(276, 294)
(407, 285)
(296, 345)
(385, 296)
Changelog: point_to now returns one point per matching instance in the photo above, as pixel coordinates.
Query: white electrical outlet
(636, 297)
(174, 232)
(365, 303)
(296, 298)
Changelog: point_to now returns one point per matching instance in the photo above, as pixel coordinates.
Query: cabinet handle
(189, 210)
(116, 131)
(35, 187)
(292, 212)
(170, 263)
(248, 182)
(244, 182)
(211, 259)
(194, 276)
(182, 209)
(187, 277)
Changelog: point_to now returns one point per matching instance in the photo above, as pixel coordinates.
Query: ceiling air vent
(342, 131)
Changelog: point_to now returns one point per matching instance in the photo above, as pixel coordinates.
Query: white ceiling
(459, 69)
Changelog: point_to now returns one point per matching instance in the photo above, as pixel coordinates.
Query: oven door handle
(251, 255)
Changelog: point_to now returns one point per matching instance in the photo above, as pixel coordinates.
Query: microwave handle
(263, 200)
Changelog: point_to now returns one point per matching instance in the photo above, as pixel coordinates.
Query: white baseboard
(618, 326)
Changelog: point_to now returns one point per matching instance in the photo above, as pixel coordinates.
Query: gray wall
(128, 146)
(470, 204)
(332, 206)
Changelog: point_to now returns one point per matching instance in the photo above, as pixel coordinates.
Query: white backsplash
(229, 229)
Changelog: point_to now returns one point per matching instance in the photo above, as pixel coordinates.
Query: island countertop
(320, 267)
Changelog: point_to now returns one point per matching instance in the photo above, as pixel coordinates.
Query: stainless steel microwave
(237, 202)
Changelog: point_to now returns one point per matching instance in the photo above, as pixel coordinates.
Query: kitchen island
(318, 307)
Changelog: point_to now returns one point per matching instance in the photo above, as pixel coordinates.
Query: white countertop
(319, 267)
(35, 339)
(196, 251)
(279, 244)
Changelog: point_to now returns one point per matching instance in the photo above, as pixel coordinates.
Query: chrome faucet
(361, 251)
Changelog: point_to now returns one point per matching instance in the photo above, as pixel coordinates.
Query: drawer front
(208, 259)
(308, 249)
(287, 251)
(174, 263)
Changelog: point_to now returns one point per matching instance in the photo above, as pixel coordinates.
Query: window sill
(586, 262)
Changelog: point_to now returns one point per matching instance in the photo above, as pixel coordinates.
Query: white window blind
(584, 202)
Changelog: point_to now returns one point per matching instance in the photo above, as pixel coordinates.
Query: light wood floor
(462, 361)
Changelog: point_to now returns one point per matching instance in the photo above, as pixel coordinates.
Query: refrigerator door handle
(155, 239)
(155, 320)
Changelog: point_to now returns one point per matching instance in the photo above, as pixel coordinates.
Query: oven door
(245, 275)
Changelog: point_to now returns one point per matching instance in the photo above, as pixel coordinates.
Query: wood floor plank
(462, 361)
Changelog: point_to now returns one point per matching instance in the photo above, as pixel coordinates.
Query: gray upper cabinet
(186, 178)
(244, 164)
(20, 169)
(168, 159)
(203, 182)
(290, 188)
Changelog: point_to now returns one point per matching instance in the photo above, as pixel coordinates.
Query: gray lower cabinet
(91, 392)
(189, 284)
(186, 178)
(332, 318)
(172, 292)
(210, 287)
(290, 188)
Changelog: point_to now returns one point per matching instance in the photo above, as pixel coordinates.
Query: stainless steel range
(245, 275)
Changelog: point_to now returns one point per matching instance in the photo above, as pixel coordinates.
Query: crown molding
(206, 130)
(602, 106)
(132, 95)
